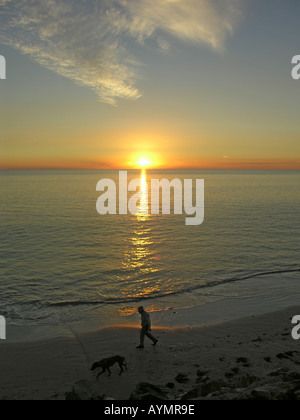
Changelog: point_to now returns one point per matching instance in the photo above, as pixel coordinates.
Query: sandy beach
(251, 358)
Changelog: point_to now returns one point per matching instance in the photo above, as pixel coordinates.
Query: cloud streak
(88, 40)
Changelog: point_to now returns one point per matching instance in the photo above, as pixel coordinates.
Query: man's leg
(152, 338)
(142, 340)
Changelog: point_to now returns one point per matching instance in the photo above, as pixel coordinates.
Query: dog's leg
(101, 373)
(121, 367)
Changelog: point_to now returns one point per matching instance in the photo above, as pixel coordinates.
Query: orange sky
(213, 92)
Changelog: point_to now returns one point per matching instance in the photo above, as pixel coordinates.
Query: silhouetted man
(146, 328)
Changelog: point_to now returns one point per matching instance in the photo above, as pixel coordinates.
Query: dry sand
(253, 346)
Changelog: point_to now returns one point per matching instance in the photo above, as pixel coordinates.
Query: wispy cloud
(86, 40)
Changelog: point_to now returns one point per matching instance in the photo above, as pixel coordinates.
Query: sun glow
(143, 163)
(146, 160)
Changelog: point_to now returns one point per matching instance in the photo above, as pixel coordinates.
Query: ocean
(61, 263)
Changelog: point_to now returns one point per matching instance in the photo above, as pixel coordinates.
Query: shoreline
(48, 369)
(238, 303)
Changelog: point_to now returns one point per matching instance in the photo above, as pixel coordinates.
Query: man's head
(141, 309)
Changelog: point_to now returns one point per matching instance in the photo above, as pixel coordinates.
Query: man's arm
(149, 322)
(146, 323)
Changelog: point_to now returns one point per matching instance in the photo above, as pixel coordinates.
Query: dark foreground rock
(148, 392)
(277, 386)
(235, 384)
(83, 391)
(181, 378)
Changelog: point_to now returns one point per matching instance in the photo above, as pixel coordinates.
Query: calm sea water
(61, 262)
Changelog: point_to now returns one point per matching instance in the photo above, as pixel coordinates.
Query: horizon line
(152, 169)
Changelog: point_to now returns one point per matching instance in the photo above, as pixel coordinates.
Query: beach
(149, 183)
(254, 357)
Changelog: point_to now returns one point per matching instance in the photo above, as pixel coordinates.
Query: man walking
(146, 328)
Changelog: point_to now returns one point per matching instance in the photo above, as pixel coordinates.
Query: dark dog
(105, 364)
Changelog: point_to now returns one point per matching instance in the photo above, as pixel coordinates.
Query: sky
(179, 83)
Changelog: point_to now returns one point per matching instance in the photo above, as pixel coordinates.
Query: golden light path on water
(143, 214)
(140, 254)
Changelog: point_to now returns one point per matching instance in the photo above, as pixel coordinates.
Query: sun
(143, 163)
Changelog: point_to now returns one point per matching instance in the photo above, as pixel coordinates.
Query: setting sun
(147, 160)
(143, 163)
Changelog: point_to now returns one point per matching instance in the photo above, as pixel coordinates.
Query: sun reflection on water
(140, 262)
(143, 207)
(132, 310)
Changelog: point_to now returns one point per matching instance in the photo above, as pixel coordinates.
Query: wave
(136, 299)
